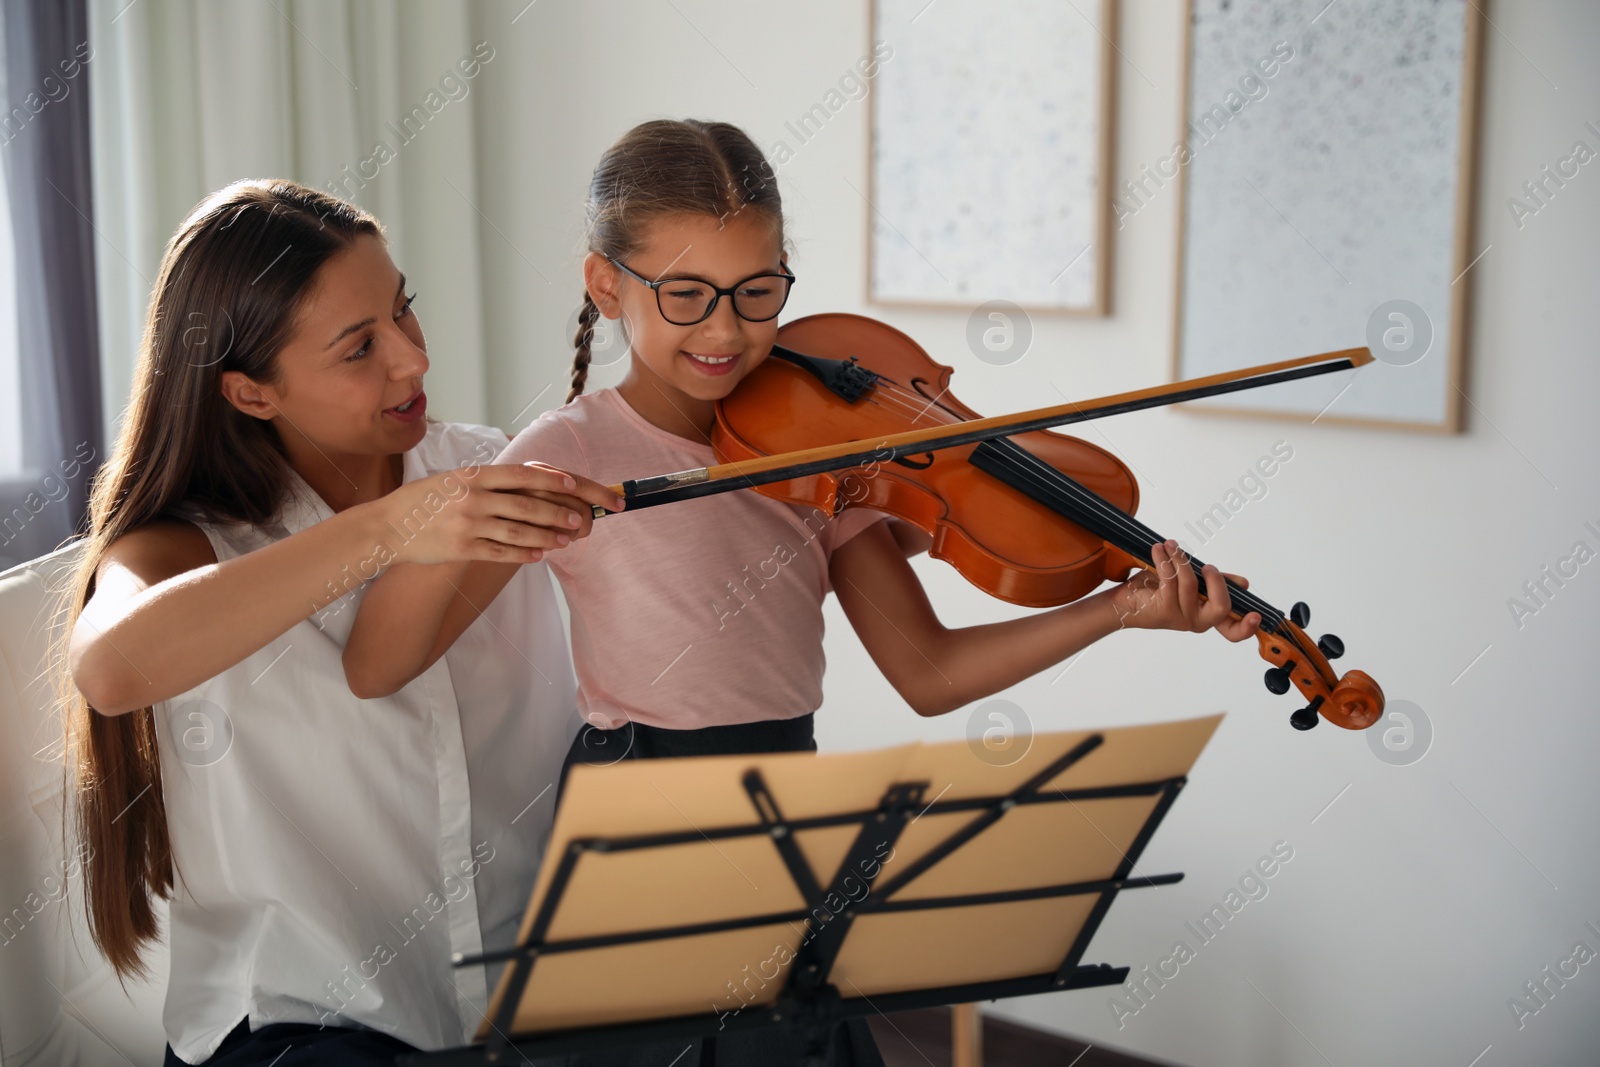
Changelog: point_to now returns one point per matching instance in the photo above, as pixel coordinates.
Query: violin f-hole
(922, 385)
(915, 464)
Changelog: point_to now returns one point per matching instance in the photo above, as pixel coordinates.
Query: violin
(849, 411)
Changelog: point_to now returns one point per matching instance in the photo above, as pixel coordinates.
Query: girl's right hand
(502, 513)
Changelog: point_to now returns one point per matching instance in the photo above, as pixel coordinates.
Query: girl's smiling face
(678, 373)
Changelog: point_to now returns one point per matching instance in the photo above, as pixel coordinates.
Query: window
(10, 373)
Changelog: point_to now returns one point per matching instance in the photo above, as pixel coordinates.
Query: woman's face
(705, 361)
(355, 358)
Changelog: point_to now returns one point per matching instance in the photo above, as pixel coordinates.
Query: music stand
(680, 898)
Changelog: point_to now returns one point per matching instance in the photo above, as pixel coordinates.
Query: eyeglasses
(687, 301)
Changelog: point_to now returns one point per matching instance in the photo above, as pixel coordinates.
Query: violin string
(922, 402)
(906, 410)
(914, 402)
(918, 406)
(1115, 519)
(1137, 536)
(1144, 536)
(1110, 513)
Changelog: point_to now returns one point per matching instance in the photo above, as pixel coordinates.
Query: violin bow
(726, 477)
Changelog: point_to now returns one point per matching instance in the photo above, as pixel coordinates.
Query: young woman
(324, 855)
(697, 627)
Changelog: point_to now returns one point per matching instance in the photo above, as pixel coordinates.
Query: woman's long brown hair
(668, 167)
(232, 281)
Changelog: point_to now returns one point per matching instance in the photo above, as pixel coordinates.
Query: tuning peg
(1300, 614)
(1306, 717)
(1331, 646)
(1277, 678)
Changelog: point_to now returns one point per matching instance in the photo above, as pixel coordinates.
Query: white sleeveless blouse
(332, 853)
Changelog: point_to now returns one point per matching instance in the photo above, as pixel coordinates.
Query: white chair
(60, 1002)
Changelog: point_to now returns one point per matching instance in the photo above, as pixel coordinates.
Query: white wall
(1424, 898)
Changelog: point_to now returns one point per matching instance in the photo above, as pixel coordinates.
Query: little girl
(697, 627)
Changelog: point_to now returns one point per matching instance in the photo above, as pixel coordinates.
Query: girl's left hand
(1169, 598)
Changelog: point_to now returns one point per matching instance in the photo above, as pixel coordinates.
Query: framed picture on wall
(989, 145)
(1325, 174)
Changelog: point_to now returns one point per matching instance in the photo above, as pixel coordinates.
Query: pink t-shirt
(700, 613)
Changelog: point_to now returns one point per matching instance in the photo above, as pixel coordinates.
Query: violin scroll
(1356, 703)
(1352, 701)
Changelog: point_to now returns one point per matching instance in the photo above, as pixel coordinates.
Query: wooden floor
(922, 1039)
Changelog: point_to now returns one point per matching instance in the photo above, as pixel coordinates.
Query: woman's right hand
(501, 513)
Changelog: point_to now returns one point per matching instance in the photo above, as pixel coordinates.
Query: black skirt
(844, 1044)
(637, 741)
